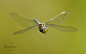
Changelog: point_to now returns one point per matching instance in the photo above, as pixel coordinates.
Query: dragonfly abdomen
(36, 21)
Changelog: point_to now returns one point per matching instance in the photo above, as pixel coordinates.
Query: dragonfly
(54, 23)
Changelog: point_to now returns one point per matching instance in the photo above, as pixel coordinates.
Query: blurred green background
(34, 42)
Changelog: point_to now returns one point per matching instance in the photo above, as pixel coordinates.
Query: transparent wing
(25, 22)
(23, 31)
(63, 28)
(59, 18)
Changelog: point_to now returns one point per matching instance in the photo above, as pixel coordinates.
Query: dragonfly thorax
(43, 28)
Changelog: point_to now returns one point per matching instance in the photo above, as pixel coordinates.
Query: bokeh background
(34, 42)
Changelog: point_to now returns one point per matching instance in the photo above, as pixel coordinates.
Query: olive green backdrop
(34, 42)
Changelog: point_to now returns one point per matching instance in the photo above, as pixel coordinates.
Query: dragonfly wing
(23, 31)
(25, 22)
(63, 28)
(59, 18)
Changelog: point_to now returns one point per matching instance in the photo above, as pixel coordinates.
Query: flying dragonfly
(54, 23)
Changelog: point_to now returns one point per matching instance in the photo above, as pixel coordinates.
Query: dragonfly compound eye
(44, 30)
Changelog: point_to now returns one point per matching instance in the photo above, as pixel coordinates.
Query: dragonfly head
(43, 29)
